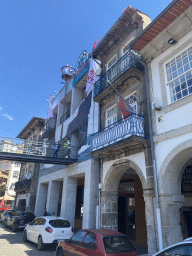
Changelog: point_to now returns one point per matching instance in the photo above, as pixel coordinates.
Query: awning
(82, 116)
(7, 198)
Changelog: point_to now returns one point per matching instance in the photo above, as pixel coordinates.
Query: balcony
(125, 63)
(50, 126)
(120, 135)
(65, 116)
(23, 185)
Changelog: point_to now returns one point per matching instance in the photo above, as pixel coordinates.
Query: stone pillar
(170, 214)
(90, 195)
(53, 196)
(41, 199)
(68, 202)
(151, 223)
(109, 210)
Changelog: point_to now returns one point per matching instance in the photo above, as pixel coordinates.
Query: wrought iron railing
(24, 184)
(46, 148)
(126, 62)
(124, 128)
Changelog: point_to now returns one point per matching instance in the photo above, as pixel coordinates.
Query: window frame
(107, 64)
(167, 83)
(135, 92)
(106, 119)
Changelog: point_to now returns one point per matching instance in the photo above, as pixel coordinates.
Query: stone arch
(172, 169)
(115, 172)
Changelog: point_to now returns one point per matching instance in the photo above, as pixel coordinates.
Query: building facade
(166, 48)
(71, 191)
(26, 186)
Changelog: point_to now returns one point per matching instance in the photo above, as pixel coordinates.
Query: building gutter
(153, 22)
(158, 211)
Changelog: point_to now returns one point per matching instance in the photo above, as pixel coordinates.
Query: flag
(94, 46)
(92, 77)
(2, 202)
(49, 111)
(124, 110)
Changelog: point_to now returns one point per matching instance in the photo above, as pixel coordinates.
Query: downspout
(158, 211)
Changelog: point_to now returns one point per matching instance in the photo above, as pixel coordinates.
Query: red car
(5, 207)
(96, 242)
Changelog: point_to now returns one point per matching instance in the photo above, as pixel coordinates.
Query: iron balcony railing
(126, 62)
(124, 128)
(24, 184)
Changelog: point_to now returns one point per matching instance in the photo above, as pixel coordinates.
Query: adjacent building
(26, 186)
(166, 48)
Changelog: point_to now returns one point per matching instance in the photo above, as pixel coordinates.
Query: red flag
(2, 202)
(124, 110)
(94, 46)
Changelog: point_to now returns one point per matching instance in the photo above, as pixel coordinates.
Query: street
(11, 244)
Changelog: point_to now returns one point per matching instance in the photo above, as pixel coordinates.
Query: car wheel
(24, 236)
(60, 252)
(40, 244)
(14, 228)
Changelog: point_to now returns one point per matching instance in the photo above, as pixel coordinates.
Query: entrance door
(188, 218)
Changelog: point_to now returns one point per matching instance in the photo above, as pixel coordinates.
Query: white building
(166, 47)
(71, 191)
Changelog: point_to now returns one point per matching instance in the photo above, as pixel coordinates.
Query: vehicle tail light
(49, 230)
(72, 229)
(20, 217)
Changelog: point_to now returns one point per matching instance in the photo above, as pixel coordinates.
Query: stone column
(68, 202)
(90, 195)
(41, 199)
(53, 196)
(170, 214)
(109, 210)
(151, 223)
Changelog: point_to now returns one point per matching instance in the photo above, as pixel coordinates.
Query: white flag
(93, 74)
(49, 111)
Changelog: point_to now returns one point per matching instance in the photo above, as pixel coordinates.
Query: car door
(73, 247)
(30, 230)
(89, 245)
(38, 228)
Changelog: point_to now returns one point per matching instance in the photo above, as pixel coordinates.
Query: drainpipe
(158, 211)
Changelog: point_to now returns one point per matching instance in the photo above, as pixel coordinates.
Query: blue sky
(39, 37)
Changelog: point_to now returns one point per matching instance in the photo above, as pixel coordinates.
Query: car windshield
(59, 223)
(117, 244)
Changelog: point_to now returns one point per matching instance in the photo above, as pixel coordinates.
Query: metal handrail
(115, 71)
(65, 116)
(124, 128)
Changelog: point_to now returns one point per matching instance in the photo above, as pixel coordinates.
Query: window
(117, 244)
(178, 250)
(59, 223)
(179, 75)
(15, 174)
(17, 164)
(111, 62)
(132, 101)
(111, 116)
(90, 241)
(77, 238)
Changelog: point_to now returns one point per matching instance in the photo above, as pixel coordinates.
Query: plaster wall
(174, 114)
(138, 159)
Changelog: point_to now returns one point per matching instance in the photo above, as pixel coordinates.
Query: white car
(182, 248)
(47, 230)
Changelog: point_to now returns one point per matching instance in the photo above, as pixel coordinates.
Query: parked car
(182, 248)
(4, 208)
(19, 219)
(97, 242)
(4, 216)
(47, 230)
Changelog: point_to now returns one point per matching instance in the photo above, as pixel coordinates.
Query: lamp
(172, 41)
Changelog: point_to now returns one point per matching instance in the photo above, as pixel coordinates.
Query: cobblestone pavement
(11, 244)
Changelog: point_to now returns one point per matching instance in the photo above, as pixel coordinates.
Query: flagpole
(129, 108)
